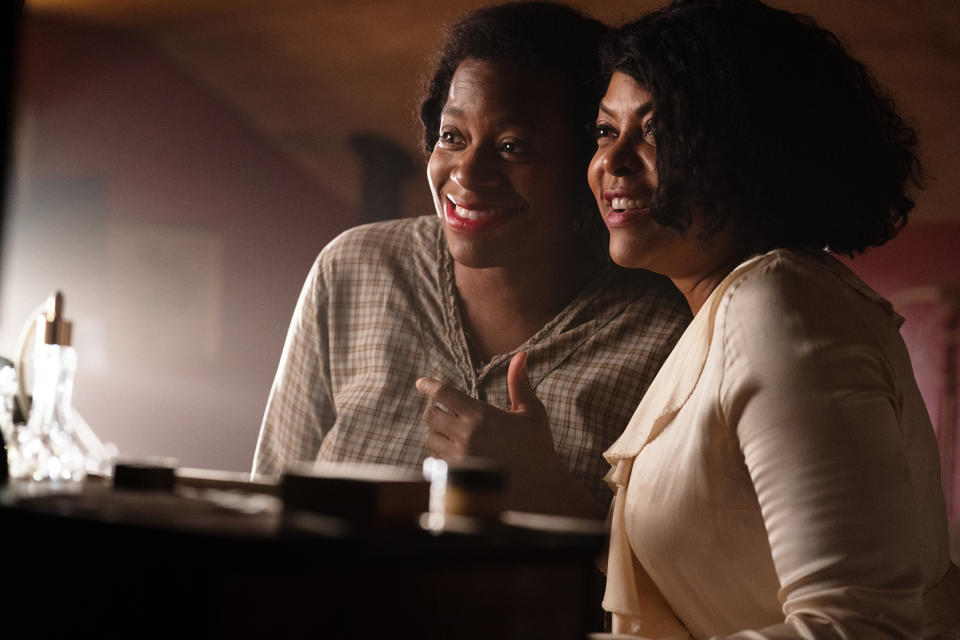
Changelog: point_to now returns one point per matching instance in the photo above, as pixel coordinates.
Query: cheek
(649, 158)
(435, 179)
(594, 175)
(434, 170)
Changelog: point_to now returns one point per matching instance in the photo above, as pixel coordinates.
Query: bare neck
(503, 307)
(698, 283)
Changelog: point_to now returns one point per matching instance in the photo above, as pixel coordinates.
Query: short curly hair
(765, 123)
(545, 38)
(531, 37)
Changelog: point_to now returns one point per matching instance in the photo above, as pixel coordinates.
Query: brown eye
(450, 137)
(603, 131)
(648, 132)
(513, 147)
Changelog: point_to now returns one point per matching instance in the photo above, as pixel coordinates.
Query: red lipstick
(485, 219)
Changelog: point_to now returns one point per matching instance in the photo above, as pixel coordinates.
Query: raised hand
(460, 426)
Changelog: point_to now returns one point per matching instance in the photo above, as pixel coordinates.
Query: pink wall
(920, 272)
(179, 237)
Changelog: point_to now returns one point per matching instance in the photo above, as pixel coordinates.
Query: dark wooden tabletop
(224, 563)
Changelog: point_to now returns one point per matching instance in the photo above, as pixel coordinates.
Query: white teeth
(473, 214)
(625, 203)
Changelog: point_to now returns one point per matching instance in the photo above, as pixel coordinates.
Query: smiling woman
(502, 177)
(786, 429)
(623, 176)
(513, 260)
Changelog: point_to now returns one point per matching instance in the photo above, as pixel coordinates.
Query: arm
(300, 409)
(813, 402)
(519, 438)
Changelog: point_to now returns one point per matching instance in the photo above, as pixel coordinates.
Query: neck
(718, 258)
(696, 289)
(503, 307)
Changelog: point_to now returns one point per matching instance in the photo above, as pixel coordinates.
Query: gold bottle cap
(52, 326)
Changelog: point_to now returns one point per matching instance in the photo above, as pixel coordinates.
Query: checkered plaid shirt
(378, 311)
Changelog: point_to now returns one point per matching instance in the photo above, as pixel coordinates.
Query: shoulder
(799, 302)
(769, 279)
(378, 250)
(383, 259)
(383, 240)
(798, 281)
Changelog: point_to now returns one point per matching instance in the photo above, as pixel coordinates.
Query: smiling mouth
(625, 209)
(473, 214)
(472, 218)
(627, 204)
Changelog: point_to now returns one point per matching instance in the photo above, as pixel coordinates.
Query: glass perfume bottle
(48, 447)
(8, 430)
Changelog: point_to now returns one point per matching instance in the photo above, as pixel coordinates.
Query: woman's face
(502, 173)
(623, 178)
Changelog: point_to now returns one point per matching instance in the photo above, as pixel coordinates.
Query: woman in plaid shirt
(513, 259)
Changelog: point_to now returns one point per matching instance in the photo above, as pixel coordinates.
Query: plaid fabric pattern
(378, 310)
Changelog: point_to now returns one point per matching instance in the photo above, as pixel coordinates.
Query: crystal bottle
(49, 449)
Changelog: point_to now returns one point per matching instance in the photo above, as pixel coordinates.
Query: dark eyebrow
(509, 121)
(641, 111)
(505, 121)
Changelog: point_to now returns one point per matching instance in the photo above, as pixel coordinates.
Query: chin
(627, 254)
(477, 254)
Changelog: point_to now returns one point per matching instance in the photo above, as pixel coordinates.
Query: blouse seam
(453, 323)
(721, 318)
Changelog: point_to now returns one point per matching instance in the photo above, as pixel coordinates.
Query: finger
(451, 398)
(441, 446)
(451, 427)
(445, 423)
(522, 397)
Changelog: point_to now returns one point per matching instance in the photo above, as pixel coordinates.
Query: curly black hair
(764, 122)
(543, 38)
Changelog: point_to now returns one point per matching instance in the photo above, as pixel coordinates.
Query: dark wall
(9, 19)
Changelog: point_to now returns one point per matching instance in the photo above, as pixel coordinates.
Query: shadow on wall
(179, 237)
(919, 271)
(385, 169)
(9, 18)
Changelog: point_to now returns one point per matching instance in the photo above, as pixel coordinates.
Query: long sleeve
(814, 401)
(300, 409)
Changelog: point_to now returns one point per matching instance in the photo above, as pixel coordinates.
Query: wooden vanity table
(222, 558)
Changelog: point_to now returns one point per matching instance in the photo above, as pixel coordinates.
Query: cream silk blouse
(780, 478)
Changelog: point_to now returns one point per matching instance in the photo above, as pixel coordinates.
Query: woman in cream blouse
(780, 478)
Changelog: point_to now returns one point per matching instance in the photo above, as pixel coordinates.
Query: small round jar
(145, 474)
(475, 488)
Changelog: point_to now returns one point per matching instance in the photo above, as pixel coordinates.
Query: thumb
(522, 398)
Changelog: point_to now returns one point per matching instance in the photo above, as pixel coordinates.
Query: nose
(626, 157)
(475, 167)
